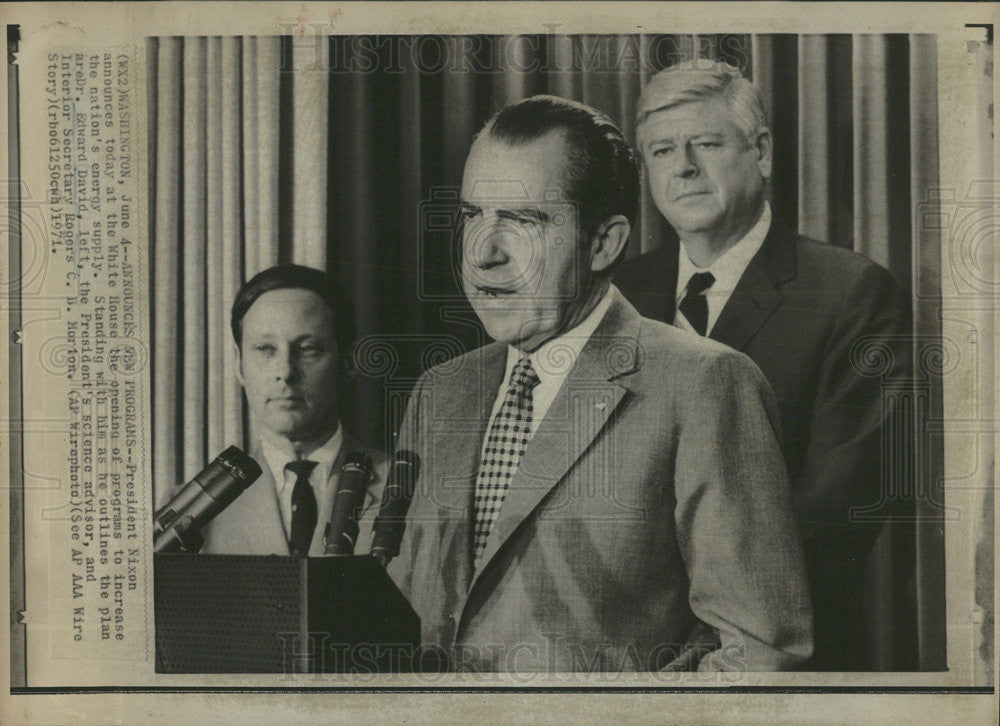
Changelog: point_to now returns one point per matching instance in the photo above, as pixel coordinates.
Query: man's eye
(264, 348)
(662, 151)
(310, 349)
(707, 144)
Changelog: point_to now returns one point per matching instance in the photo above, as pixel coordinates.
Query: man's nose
(486, 246)
(285, 367)
(686, 165)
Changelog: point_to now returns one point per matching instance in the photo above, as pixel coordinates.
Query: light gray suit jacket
(252, 524)
(651, 500)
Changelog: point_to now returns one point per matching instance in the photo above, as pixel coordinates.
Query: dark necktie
(694, 305)
(505, 445)
(304, 513)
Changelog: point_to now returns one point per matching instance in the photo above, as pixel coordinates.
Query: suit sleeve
(409, 439)
(735, 525)
(844, 464)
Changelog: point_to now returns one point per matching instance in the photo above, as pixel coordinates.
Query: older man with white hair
(800, 309)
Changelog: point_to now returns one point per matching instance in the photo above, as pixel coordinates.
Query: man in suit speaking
(594, 487)
(797, 307)
(294, 331)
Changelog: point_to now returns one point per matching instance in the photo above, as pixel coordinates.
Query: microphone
(391, 520)
(342, 530)
(177, 525)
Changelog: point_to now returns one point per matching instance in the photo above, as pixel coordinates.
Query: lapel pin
(600, 405)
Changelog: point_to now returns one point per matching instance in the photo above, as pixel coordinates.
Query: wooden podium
(271, 614)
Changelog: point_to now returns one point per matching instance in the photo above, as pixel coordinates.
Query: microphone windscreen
(179, 523)
(342, 531)
(387, 534)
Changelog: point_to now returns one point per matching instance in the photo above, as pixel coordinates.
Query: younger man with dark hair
(294, 332)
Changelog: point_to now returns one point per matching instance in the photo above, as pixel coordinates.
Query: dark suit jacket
(652, 496)
(816, 319)
(252, 524)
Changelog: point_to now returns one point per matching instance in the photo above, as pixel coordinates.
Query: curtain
(346, 153)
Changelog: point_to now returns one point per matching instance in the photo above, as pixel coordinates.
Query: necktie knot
(523, 378)
(694, 305)
(301, 467)
(699, 282)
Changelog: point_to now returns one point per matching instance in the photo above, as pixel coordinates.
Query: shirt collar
(555, 358)
(277, 456)
(730, 266)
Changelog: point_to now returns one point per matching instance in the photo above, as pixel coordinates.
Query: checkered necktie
(505, 444)
(304, 514)
(694, 305)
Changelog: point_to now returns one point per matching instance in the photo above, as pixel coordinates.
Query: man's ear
(609, 242)
(764, 147)
(239, 364)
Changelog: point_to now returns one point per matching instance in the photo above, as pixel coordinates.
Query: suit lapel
(580, 410)
(756, 294)
(268, 533)
(457, 446)
(459, 441)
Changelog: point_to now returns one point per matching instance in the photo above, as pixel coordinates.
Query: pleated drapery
(336, 152)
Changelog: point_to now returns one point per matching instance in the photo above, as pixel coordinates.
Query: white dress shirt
(552, 362)
(727, 271)
(320, 479)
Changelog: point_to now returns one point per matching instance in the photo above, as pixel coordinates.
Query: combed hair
(602, 174)
(700, 80)
(301, 278)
